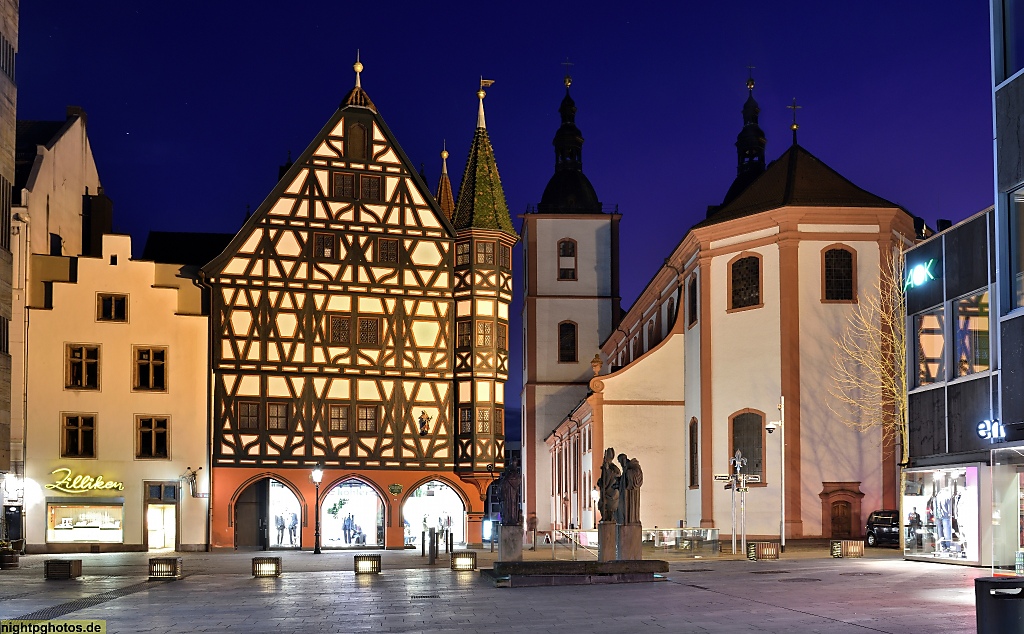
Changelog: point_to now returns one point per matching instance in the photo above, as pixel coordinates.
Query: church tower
(483, 292)
(750, 145)
(571, 303)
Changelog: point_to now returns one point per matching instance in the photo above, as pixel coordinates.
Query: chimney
(919, 228)
(942, 224)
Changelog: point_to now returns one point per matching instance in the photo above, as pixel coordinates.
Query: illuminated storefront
(941, 514)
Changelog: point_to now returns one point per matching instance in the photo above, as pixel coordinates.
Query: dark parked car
(883, 527)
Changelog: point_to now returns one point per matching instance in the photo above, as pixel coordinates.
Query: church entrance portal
(435, 505)
(352, 515)
(267, 515)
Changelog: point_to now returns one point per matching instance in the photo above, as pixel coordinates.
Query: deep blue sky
(193, 105)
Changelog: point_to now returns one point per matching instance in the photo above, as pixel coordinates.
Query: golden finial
(358, 67)
(750, 77)
(444, 154)
(484, 83)
(568, 77)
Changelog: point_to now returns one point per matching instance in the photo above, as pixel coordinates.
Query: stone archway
(841, 510)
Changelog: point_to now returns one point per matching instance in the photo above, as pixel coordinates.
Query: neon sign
(919, 275)
(67, 482)
(991, 430)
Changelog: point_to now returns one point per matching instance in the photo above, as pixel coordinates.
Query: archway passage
(351, 516)
(437, 505)
(267, 516)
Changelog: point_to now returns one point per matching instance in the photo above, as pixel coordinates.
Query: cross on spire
(794, 126)
(568, 76)
(750, 77)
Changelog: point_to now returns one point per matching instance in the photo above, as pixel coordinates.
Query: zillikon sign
(67, 482)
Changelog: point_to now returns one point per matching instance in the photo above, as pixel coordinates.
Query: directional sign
(723, 477)
(743, 489)
(753, 478)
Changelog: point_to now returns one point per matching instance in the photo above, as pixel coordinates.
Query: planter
(9, 560)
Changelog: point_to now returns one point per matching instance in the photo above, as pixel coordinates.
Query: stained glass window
(461, 254)
(369, 187)
(340, 330)
(344, 185)
(484, 333)
(367, 418)
(483, 420)
(485, 253)
(369, 331)
(338, 418)
(387, 250)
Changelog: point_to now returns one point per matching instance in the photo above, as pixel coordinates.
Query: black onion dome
(569, 190)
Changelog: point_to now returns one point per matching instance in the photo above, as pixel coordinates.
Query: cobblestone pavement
(803, 592)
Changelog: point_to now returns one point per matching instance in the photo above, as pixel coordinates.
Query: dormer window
(567, 259)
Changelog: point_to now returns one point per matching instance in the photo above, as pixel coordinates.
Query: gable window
(277, 416)
(78, 439)
(344, 185)
(970, 344)
(356, 142)
(151, 441)
(567, 342)
(150, 369)
(338, 418)
(83, 367)
(369, 188)
(484, 333)
(838, 265)
(111, 307)
(339, 330)
(465, 420)
(387, 250)
(567, 259)
(483, 420)
(745, 278)
(748, 438)
(694, 451)
(369, 331)
(502, 337)
(506, 256)
(248, 415)
(323, 246)
(485, 253)
(930, 347)
(691, 292)
(367, 418)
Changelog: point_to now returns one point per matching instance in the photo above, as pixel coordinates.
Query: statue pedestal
(628, 542)
(606, 536)
(510, 543)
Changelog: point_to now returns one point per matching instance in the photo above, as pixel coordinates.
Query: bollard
(423, 544)
(999, 604)
(451, 542)
(432, 549)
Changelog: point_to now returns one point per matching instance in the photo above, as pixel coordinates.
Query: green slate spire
(481, 203)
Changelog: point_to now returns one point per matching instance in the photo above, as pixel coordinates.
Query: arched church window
(838, 264)
(747, 436)
(567, 259)
(694, 451)
(745, 278)
(357, 142)
(567, 342)
(691, 292)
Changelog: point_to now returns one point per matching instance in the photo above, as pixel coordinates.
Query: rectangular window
(387, 250)
(111, 307)
(323, 246)
(484, 333)
(369, 331)
(566, 274)
(339, 330)
(461, 254)
(369, 188)
(277, 416)
(483, 420)
(499, 420)
(465, 420)
(502, 337)
(930, 345)
(152, 437)
(83, 367)
(691, 292)
(248, 415)
(464, 329)
(150, 369)
(971, 342)
(368, 418)
(79, 437)
(506, 256)
(344, 185)
(1016, 247)
(338, 418)
(485, 253)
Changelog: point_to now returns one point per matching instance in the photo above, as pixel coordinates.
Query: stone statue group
(620, 489)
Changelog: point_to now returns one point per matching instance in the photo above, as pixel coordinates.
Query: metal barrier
(762, 550)
(164, 568)
(266, 566)
(366, 564)
(463, 560)
(1000, 604)
(848, 548)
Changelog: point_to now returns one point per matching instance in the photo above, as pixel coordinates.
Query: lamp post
(317, 475)
(781, 426)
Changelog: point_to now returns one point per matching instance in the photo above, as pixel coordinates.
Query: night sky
(193, 106)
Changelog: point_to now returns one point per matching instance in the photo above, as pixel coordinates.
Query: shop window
(505, 254)
(745, 282)
(971, 344)
(465, 420)
(79, 436)
(462, 254)
(941, 516)
(151, 437)
(323, 246)
(150, 369)
(930, 347)
(567, 342)
(248, 415)
(369, 188)
(567, 263)
(691, 292)
(83, 367)
(338, 418)
(339, 330)
(277, 416)
(502, 337)
(367, 418)
(748, 438)
(84, 523)
(484, 333)
(110, 307)
(694, 452)
(839, 282)
(485, 253)
(344, 185)
(356, 142)
(387, 250)
(483, 420)
(464, 333)
(369, 331)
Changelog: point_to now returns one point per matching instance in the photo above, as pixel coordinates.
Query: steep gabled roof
(444, 197)
(796, 178)
(28, 137)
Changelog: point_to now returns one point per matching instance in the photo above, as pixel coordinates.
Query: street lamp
(781, 426)
(317, 475)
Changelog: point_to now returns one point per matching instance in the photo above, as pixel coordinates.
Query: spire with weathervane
(750, 145)
(444, 197)
(357, 96)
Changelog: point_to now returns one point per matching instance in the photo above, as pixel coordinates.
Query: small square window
(485, 253)
(483, 420)
(339, 330)
(111, 307)
(323, 246)
(344, 185)
(369, 331)
(499, 420)
(277, 416)
(150, 369)
(248, 415)
(502, 337)
(83, 367)
(464, 334)
(387, 250)
(484, 330)
(506, 256)
(338, 418)
(369, 188)
(465, 420)
(566, 274)
(461, 254)
(79, 437)
(152, 437)
(367, 418)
